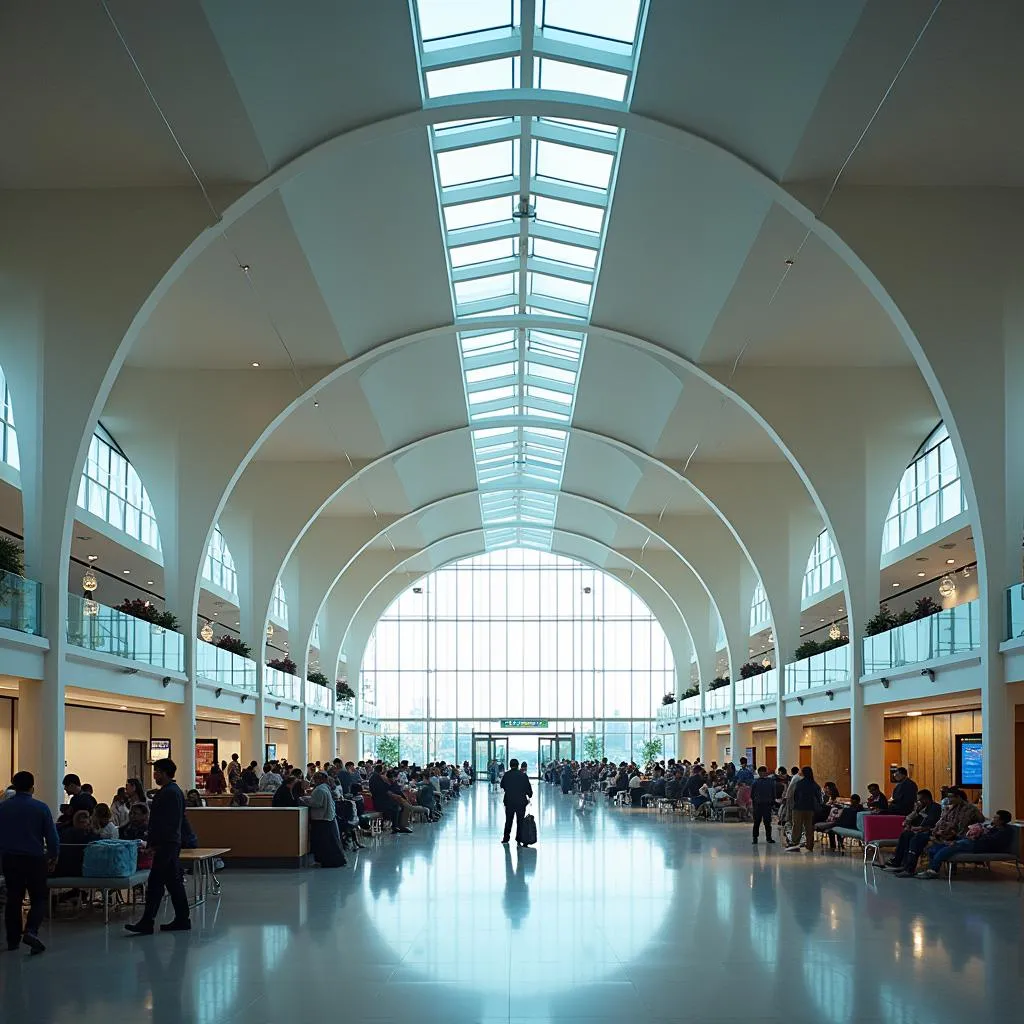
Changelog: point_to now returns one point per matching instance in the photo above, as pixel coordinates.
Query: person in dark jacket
(995, 837)
(166, 819)
(28, 842)
(807, 801)
(878, 802)
(518, 791)
(917, 828)
(904, 794)
(762, 800)
(566, 779)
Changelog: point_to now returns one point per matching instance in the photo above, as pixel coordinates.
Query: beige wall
(927, 746)
(96, 745)
(227, 734)
(347, 744)
(319, 743)
(280, 737)
(7, 765)
(830, 754)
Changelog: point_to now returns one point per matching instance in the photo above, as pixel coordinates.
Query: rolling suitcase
(527, 832)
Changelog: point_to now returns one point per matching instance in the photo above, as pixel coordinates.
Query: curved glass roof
(524, 204)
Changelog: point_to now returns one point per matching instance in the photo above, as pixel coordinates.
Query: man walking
(762, 800)
(518, 791)
(166, 816)
(28, 839)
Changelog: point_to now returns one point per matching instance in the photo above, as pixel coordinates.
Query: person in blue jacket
(28, 844)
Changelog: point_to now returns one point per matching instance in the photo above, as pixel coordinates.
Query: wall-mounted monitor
(159, 748)
(968, 759)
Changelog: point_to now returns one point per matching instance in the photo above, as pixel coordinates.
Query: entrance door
(545, 752)
(805, 755)
(555, 748)
(137, 760)
(771, 758)
(488, 748)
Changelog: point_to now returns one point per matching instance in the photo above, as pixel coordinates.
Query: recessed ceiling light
(802, 627)
(127, 572)
(92, 558)
(256, 365)
(922, 574)
(822, 620)
(950, 561)
(243, 267)
(316, 405)
(149, 583)
(124, 707)
(237, 623)
(895, 584)
(913, 714)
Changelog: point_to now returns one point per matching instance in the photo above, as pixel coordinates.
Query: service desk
(257, 837)
(224, 799)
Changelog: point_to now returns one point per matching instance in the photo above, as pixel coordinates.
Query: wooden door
(1019, 751)
(771, 758)
(805, 755)
(893, 758)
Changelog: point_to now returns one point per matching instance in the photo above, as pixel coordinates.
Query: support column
(40, 738)
(181, 728)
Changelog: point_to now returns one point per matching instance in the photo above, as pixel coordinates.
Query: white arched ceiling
(651, 124)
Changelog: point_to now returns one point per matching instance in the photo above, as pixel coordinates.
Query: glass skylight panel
(560, 288)
(442, 18)
(554, 373)
(564, 77)
(485, 287)
(477, 163)
(480, 76)
(569, 122)
(471, 215)
(486, 373)
(572, 215)
(484, 252)
(478, 343)
(607, 19)
(568, 163)
(576, 255)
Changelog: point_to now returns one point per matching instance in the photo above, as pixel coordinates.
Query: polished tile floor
(615, 916)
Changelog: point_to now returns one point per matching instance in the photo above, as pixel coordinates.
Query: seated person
(840, 817)
(657, 787)
(239, 799)
(193, 799)
(73, 840)
(995, 837)
(389, 799)
(878, 803)
(743, 800)
(952, 824)
(674, 786)
(636, 789)
(289, 793)
(103, 822)
(138, 823)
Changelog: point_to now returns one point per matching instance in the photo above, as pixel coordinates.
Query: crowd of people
(802, 809)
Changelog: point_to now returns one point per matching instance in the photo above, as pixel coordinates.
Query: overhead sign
(524, 723)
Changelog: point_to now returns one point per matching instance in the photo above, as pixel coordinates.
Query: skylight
(524, 204)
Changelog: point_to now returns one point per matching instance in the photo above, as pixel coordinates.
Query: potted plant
(148, 612)
(234, 644)
(880, 623)
(651, 751)
(718, 682)
(593, 747)
(284, 664)
(388, 749)
(925, 606)
(344, 691)
(691, 692)
(12, 558)
(752, 668)
(319, 678)
(669, 698)
(807, 650)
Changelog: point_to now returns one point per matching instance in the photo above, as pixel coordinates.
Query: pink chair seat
(882, 826)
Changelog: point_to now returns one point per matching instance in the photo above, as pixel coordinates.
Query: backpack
(110, 858)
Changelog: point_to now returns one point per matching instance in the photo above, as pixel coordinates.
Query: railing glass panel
(347, 706)
(824, 669)
(225, 667)
(689, 706)
(667, 712)
(319, 696)
(951, 631)
(96, 627)
(1014, 612)
(718, 700)
(282, 685)
(21, 603)
(757, 689)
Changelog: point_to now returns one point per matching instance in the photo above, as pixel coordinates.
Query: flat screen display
(968, 760)
(159, 748)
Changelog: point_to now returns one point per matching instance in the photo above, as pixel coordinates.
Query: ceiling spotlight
(124, 707)
(243, 267)
(895, 584)
(922, 574)
(127, 572)
(92, 558)
(789, 263)
(950, 561)
(913, 714)
(149, 583)
(255, 365)
(316, 405)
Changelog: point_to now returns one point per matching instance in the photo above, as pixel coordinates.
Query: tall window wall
(516, 633)
(112, 490)
(929, 492)
(279, 605)
(8, 435)
(219, 566)
(822, 566)
(760, 613)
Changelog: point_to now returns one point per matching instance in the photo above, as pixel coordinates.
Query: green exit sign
(524, 723)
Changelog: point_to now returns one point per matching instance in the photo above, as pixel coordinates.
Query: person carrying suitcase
(517, 789)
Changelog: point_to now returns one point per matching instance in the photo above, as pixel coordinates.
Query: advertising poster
(206, 758)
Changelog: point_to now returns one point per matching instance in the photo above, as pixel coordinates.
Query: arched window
(929, 492)
(760, 613)
(279, 605)
(8, 435)
(219, 566)
(822, 566)
(111, 489)
(517, 634)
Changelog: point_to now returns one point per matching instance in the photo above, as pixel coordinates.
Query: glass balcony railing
(347, 707)
(757, 689)
(951, 631)
(667, 712)
(718, 699)
(1014, 612)
(21, 604)
(225, 668)
(824, 669)
(282, 685)
(689, 707)
(368, 709)
(96, 627)
(319, 696)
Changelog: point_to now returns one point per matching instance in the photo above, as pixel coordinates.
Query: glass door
(545, 752)
(566, 748)
(488, 748)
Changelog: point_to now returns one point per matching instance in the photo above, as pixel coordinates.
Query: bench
(1012, 856)
(874, 832)
(102, 885)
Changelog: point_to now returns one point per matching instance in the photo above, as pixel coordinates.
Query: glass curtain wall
(520, 634)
